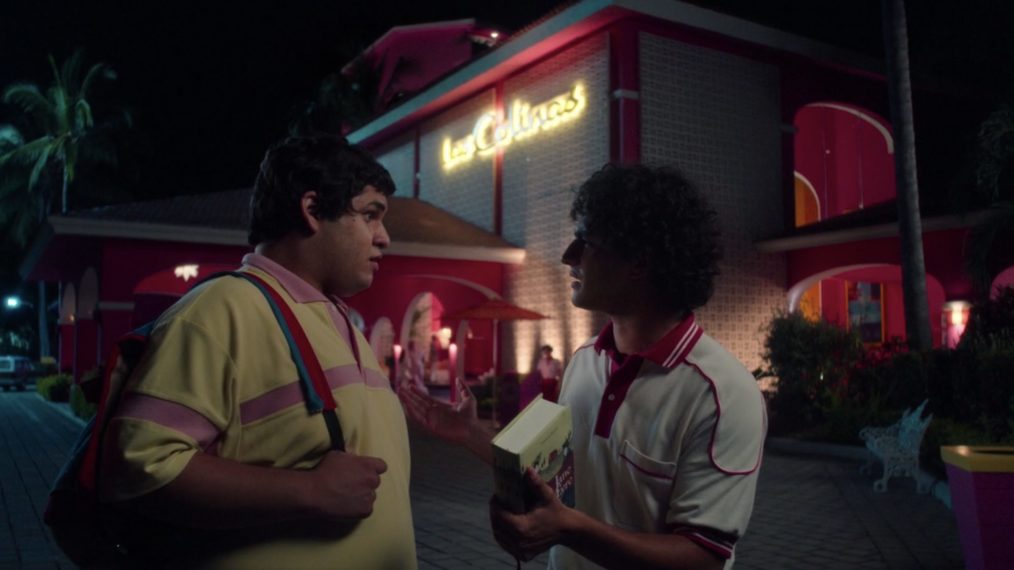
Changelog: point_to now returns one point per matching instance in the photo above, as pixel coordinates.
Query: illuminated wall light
(523, 121)
(444, 337)
(955, 318)
(958, 316)
(185, 272)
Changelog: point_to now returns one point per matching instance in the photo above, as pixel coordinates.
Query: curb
(938, 488)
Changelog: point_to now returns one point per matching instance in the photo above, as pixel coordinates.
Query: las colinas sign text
(523, 120)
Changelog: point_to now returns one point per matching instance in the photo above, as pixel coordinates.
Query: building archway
(426, 342)
(1003, 279)
(807, 202)
(88, 295)
(870, 293)
(382, 343)
(845, 154)
(68, 304)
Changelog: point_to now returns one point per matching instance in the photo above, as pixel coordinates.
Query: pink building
(787, 136)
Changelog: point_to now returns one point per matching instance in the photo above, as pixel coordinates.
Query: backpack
(79, 523)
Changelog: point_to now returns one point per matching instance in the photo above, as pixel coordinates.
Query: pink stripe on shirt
(291, 394)
(172, 415)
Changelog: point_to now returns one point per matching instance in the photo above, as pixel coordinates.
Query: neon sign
(523, 121)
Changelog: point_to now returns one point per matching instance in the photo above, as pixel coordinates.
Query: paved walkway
(811, 512)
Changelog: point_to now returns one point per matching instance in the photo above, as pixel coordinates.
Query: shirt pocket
(644, 499)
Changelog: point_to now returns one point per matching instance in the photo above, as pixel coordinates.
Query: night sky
(211, 84)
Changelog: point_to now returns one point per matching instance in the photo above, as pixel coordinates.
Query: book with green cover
(539, 437)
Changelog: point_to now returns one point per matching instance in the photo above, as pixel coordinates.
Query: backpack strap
(316, 391)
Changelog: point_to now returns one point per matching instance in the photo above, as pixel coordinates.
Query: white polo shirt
(668, 440)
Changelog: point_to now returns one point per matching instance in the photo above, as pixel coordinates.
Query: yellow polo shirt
(218, 378)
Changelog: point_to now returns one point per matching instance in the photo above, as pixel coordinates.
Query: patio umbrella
(495, 310)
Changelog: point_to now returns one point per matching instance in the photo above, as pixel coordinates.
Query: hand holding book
(527, 535)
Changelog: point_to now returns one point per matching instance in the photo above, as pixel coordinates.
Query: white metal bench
(897, 446)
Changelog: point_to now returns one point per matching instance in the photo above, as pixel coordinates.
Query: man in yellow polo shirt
(212, 436)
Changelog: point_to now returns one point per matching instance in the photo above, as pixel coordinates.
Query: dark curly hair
(329, 165)
(655, 214)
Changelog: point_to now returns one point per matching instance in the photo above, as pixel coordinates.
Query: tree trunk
(63, 192)
(899, 88)
(40, 305)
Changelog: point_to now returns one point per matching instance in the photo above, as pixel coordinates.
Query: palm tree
(899, 88)
(21, 209)
(995, 184)
(59, 123)
(60, 120)
(341, 104)
(22, 212)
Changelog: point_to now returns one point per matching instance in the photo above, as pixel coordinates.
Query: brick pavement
(812, 512)
(34, 439)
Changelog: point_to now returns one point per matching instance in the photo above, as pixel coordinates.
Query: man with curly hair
(668, 425)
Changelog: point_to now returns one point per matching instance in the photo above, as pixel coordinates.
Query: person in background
(668, 425)
(550, 371)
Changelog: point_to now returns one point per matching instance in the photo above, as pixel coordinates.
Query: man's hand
(530, 534)
(452, 422)
(344, 486)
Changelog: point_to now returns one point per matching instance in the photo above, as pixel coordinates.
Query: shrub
(995, 374)
(991, 320)
(55, 388)
(945, 431)
(812, 361)
(829, 387)
(80, 407)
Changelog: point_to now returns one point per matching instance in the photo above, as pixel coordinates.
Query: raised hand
(452, 422)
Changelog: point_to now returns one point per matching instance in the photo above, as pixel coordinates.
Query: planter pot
(981, 479)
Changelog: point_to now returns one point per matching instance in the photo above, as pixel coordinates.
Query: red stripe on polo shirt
(714, 429)
(718, 543)
(668, 352)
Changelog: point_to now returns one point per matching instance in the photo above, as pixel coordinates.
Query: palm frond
(27, 153)
(40, 165)
(32, 102)
(82, 116)
(70, 152)
(10, 138)
(61, 115)
(97, 71)
(57, 77)
(70, 71)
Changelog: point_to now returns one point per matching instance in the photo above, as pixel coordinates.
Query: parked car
(15, 371)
